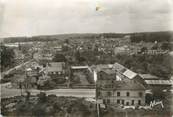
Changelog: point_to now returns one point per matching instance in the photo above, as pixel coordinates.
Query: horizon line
(83, 33)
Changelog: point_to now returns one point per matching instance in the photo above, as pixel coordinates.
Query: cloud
(37, 17)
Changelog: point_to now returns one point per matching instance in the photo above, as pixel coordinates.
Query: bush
(76, 79)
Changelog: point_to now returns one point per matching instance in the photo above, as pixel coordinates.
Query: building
(119, 85)
(127, 93)
(43, 56)
(148, 77)
(18, 54)
(161, 84)
(56, 69)
(126, 74)
(32, 72)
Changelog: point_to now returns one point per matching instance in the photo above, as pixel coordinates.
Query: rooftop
(109, 71)
(148, 77)
(123, 70)
(130, 74)
(159, 82)
(102, 67)
(55, 66)
(79, 67)
(130, 85)
(118, 67)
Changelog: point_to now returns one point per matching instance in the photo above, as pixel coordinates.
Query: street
(6, 92)
(14, 68)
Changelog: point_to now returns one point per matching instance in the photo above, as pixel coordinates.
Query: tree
(155, 47)
(166, 46)
(42, 97)
(144, 49)
(7, 57)
(77, 55)
(67, 41)
(49, 84)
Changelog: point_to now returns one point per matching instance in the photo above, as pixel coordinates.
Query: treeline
(152, 37)
(62, 36)
(134, 37)
(112, 35)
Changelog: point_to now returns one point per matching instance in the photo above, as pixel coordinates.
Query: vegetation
(63, 37)
(152, 37)
(7, 57)
(51, 105)
(159, 65)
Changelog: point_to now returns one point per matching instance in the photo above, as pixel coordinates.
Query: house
(32, 72)
(119, 85)
(122, 93)
(40, 56)
(58, 48)
(56, 69)
(18, 54)
(121, 50)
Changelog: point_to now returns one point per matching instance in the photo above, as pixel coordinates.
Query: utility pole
(20, 87)
(97, 106)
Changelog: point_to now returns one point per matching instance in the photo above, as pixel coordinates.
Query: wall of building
(112, 97)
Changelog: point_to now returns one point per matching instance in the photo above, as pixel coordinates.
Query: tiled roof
(118, 67)
(130, 74)
(79, 67)
(159, 82)
(101, 67)
(148, 76)
(130, 85)
(123, 70)
(55, 66)
(109, 71)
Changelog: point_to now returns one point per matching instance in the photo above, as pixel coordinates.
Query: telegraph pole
(97, 106)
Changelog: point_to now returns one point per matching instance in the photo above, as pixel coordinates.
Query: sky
(47, 17)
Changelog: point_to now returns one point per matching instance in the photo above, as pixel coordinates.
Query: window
(128, 94)
(140, 94)
(109, 93)
(104, 101)
(127, 103)
(139, 102)
(118, 93)
(122, 102)
(133, 102)
(118, 101)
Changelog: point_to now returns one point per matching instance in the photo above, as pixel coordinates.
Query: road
(15, 68)
(6, 92)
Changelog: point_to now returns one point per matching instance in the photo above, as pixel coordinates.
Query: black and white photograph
(86, 58)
